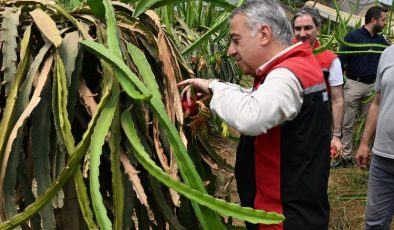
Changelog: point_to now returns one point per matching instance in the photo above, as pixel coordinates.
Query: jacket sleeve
(277, 100)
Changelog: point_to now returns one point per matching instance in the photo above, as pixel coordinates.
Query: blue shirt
(361, 65)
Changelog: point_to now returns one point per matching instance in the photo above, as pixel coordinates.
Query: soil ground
(347, 189)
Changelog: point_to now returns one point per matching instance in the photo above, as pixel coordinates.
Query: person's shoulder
(391, 47)
(387, 57)
(382, 38)
(328, 52)
(353, 34)
(389, 50)
(355, 31)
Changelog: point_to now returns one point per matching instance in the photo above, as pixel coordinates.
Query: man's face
(305, 29)
(245, 48)
(378, 24)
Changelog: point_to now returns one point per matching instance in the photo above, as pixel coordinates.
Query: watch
(337, 134)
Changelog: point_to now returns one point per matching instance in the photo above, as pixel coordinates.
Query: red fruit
(333, 152)
(192, 108)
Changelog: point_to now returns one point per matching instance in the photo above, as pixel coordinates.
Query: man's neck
(369, 27)
(313, 44)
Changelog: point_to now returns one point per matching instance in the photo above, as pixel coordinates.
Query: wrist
(210, 85)
(335, 137)
(337, 134)
(364, 142)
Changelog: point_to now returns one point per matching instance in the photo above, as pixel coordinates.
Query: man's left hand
(336, 144)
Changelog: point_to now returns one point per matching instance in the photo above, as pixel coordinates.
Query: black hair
(374, 12)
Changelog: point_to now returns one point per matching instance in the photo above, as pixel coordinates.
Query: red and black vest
(325, 60)
(286, 170)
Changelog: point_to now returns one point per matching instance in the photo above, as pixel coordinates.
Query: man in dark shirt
(361, 73)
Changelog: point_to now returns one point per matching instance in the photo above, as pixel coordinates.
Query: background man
(380, 202)
(282, 162)
(306, 25)
(361, 74)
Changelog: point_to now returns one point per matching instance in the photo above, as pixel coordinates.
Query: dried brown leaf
(131, 26)
(47, 26)
(155, 18)
(86, 97)
(172, 168)
(134, 179)
(209, 161)
(159, 149)
(171, 70)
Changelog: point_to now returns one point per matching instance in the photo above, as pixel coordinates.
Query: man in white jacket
(283, 157)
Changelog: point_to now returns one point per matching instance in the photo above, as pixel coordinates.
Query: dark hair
(306, 10)
(374, 12)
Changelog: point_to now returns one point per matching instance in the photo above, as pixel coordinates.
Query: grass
(347, 193)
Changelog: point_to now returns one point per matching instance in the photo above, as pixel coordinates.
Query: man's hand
(362, 156)
(200, 86)
(336, 144)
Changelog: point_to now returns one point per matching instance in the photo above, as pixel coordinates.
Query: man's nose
(231, 50)
(303, 33)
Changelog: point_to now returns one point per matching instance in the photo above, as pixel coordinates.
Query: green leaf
(8, 35)
(160, 199)
(97, 141)
(360, 45)
(62, 95)
(65, 137)
(143, 6)
(84, 31)
(26, 187)
(72, 164)
(68, 52)
(189, 174)
(97, 7)
(117, 180)
(129, 80)
(220, 23)
(40, 130)
(153, 4)
(10, 179)
(145, 70)
(9, 112)
(72, 4)
(220, 206)
(113, 44)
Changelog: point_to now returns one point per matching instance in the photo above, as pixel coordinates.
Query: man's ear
(265, 34)
(374, 19)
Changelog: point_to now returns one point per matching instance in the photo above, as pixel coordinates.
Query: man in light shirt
(306, 25)
(380, 199)
(282, 162)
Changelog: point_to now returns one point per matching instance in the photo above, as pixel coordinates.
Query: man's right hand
(362, 156)
(201, 86)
